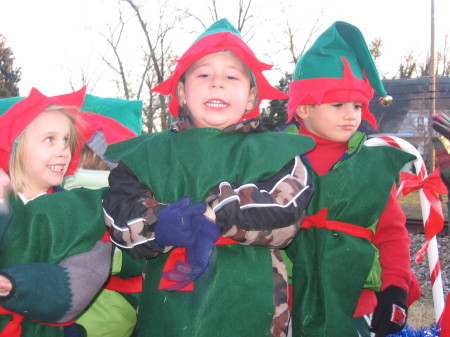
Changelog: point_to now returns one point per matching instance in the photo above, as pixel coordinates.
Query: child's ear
(251, 103)
(302, 111)
(180, 93)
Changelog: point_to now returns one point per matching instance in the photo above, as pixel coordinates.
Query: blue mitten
(174, 226)
(391, 312)
(198, 254)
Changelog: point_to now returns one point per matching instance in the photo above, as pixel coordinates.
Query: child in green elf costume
(55, 256)
(113, 311)
(351, 260)
(219, 189)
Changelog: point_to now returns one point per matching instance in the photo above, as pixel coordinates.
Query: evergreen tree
(276, 113)
(9, 75)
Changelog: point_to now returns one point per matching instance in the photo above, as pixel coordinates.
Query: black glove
(441, 124)
(391, 312)
(443, 159)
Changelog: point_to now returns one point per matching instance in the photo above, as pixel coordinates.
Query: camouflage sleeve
(130, 214)
(266, 213)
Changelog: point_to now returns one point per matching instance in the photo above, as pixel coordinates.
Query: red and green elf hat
(113, 130)
(337, 68)
(20, 115)
(219, 37)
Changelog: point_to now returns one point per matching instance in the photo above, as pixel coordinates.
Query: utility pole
(431, 156)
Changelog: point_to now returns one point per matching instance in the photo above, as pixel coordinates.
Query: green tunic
(111, 313)
(39, 236)
(234, 296)
(330, 268)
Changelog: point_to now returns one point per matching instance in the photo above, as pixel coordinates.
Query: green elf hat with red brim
(219, 37)
(20, 115)
(338, 68)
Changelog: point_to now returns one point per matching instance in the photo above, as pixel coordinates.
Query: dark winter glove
(198, 254)
(443, 158)
(174, 226)
(391, 312)
(441, 124)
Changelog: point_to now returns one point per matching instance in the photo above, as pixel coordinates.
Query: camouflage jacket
(264, 212)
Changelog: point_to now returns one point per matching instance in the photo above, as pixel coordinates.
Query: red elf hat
(20, 115)
(220, 36)
(113, 130)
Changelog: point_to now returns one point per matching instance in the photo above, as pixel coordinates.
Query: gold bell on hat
(386, 100)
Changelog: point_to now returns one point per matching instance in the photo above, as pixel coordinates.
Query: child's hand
(391, 312)
(5, 286)
(5, 184)
(210, 214)
(5, 187)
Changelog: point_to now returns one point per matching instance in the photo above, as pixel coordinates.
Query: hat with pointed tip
(20, 115)
(337, 68)
(220, 36)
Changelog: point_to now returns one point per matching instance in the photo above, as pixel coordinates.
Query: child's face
(217, 90)
(333, 121)
(46, 152)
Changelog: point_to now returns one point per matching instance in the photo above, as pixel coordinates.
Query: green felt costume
(34, 248)
(195, 161)
(112, 313)
(53, 249)
(334, 259)
(325, 298)
(192, 153)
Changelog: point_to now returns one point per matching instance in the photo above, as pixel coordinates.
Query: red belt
(319, 220)
(14, 327)
(131, 285)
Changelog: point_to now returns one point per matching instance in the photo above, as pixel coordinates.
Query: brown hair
(90, 160)
(16, 163)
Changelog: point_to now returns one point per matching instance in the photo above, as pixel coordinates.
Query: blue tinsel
(408, 331)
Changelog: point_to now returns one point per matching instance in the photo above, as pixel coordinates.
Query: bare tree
(292, 41)
(113, 39)
(412, 67)
(155, 62)
(375, 48)
(158, 58)
(156, 55)
(443, 60)
(243, 16)
(408, 66)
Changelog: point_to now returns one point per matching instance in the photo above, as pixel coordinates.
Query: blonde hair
(16, 162)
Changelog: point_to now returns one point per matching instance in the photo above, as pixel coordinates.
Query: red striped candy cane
(432, 250)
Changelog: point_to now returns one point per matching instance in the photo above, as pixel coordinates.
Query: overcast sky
(53, 39)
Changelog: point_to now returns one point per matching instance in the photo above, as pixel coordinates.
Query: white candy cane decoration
(432, 250)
